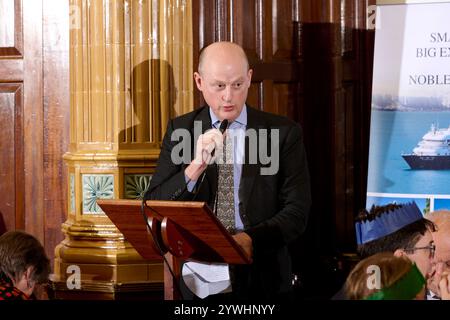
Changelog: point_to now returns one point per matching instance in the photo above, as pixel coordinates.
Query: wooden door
(34, 116)
(11, 114)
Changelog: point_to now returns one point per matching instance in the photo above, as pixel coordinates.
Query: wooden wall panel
(11, 155)
(12, 70)
(283, 15)
(284, 99)
(33, 119)
(267, 31)
(7, 23)
(34, 112)
(254, 94)
(11, 40)
(55, 51)
(243, 24)
(7, 150)
(12, 188)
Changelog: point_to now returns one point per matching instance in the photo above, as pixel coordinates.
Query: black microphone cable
(155, 237)
(174, 197)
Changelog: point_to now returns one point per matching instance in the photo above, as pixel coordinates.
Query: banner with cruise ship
(409, 157)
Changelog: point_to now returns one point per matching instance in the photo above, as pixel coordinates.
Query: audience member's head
(397, 228)
(441, 237)
(444, 287)
(385, 276)
(23, 264)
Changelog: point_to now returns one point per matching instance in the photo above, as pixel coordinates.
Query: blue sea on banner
(393, 133)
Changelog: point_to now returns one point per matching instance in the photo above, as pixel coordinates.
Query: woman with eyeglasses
(23, 266)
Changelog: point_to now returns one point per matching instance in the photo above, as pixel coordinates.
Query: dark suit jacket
(273, 208)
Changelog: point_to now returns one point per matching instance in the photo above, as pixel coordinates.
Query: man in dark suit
(271, 189)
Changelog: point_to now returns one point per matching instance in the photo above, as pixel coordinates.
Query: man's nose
(227, 94)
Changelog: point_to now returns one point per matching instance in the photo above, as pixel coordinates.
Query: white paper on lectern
(211, 272)
(205, 279)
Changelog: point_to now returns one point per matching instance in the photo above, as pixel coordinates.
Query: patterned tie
(225, 189)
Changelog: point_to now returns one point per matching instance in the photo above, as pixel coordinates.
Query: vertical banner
(409, 154)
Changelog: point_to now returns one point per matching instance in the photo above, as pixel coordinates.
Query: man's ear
(25, 284)
(28, 273)
(249, 76)
(198, 80)
(399, 253)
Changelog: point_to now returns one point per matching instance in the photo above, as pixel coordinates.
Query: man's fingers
(207, 157)
(210, 147)
(206, 143)
(444, 286)
(218, 140)
(212, 133)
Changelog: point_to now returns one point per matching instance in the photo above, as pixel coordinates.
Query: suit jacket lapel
(205, 118)
(211, 170)
(249, 171)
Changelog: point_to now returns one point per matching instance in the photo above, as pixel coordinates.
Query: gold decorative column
(130, 71)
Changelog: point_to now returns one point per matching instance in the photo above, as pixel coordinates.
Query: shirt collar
(241, 119)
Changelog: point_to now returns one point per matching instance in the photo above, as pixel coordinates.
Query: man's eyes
(236, 85)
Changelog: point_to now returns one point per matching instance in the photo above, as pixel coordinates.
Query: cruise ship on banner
(432, 152)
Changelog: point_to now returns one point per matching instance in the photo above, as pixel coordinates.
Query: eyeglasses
(430, 247)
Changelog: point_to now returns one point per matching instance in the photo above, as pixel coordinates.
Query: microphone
(223, 126)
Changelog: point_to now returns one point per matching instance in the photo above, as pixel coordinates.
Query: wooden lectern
(179, 230)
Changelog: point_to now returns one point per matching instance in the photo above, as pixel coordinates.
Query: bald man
(270, 174)
(441, 239)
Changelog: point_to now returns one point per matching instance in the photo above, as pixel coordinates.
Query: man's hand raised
(206, 143)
